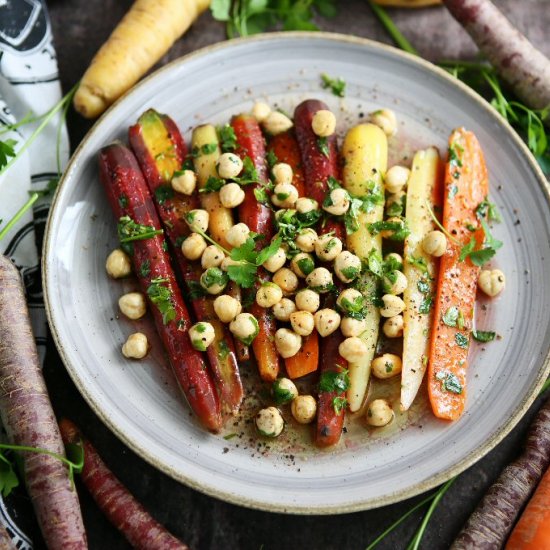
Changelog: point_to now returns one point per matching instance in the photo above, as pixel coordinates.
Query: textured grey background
(80, 27)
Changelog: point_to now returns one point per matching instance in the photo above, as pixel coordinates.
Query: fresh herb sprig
(246, 17)
(7, 148)
(245, 272)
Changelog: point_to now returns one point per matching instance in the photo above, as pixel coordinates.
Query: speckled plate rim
(143, 452)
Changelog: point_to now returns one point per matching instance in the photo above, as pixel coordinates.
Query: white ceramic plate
(136, 399)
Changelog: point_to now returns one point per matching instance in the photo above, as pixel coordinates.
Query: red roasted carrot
(28, 419)
(259, 218)
(466, 186)
(320, 163)
(532, 530)
(493, 519)
(285, 148)
(128, 196)
(121, 508)
(160, 151)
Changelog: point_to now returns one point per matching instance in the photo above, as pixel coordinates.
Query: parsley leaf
(8, 477)
(322, 144)
(228, 139)
(461, 340)
(339, 405)
(483, 336)
(334, 381)
(161, 296)
(336, 85)
(399, 229)
(449, 382)
(164, 193)
(212, 184)
(7, 151)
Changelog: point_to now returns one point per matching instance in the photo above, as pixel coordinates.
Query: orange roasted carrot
(259, 218)
(532, 531)
(306, 360)
(285, 148)
(466, 186)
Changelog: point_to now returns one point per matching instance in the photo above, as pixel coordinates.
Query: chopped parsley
(355, 309)
(426, 305)
(419, 263)
(322, 145)
(365, 203)
(224, 350)
(461, 340)
(281, 395)
(486, 252)
(162, 297)
(145, 269)
(164, 193)
(399, 229)
(483, 335)
(212, 184)
(306, 265)
(195, 290)
(337, 86)
(129, 231)
(271, 158)
(449, 382)
(228, 139)
(450, 317)
(339, 405)
(489, 210)
(453, 190)
(332, 381)
(123, 201)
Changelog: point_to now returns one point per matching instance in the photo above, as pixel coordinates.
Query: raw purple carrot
(521, 65)
(493, 519)
(29, 420)
(121, 508)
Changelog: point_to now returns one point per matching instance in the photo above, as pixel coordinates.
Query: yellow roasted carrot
(365, 152)
(206, 146)
(421, 272)
(142, 37)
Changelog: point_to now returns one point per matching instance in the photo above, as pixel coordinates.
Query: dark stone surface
(80, 26)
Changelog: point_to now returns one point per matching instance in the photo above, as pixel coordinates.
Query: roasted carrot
(532, 530)
(319, 165)
(28, 419)
(285, 148)
(494, 517)
(466, 186)
(306, 360)
(160, 151)
(121, 508)
(259, 218)
(129, 197)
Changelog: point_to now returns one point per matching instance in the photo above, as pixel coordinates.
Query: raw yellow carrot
(365, 152)
(421, 272)
(142, 37)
